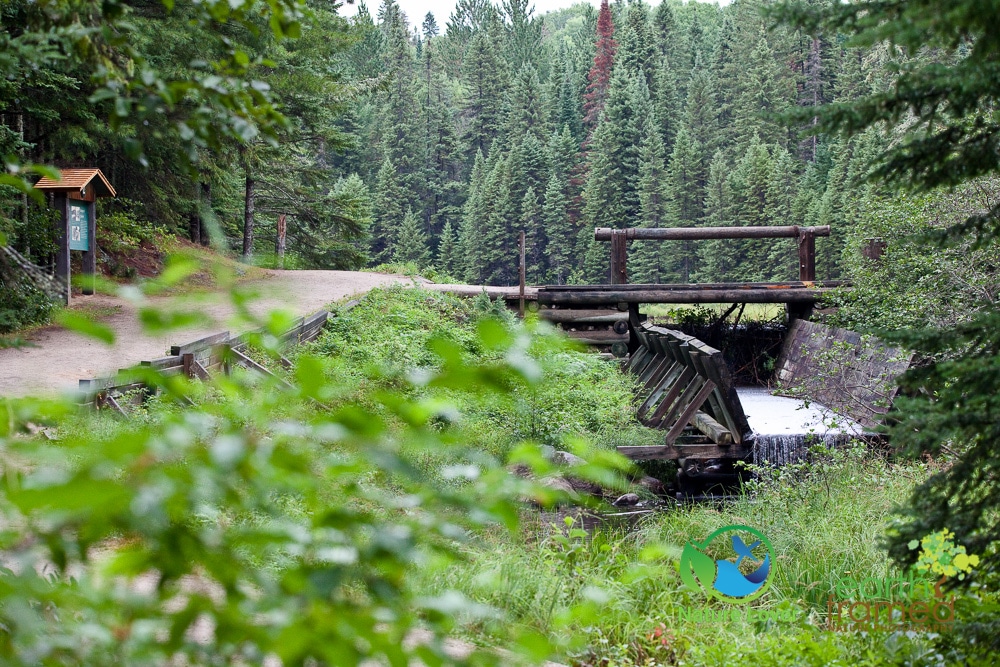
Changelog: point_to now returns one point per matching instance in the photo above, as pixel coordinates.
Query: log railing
(620, 237)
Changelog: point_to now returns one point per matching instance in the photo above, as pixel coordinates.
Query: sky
(415, 10)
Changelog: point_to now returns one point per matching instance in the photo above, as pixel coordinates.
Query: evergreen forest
(435, 141)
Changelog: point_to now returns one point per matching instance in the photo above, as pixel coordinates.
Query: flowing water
(784, 429)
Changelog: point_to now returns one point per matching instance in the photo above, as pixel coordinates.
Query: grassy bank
(372, 497)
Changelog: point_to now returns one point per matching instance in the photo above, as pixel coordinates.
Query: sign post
(76, 192)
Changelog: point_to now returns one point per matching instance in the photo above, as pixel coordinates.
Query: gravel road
(58, 359)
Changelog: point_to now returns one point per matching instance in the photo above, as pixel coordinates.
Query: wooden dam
(686, 387)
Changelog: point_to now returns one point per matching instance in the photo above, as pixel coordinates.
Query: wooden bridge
(686, 388)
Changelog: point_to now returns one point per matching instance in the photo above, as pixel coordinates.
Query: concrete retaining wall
(846, 371)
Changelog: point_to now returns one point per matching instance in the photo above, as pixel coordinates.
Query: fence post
(807, 255)
(522, 274)
(619, 257)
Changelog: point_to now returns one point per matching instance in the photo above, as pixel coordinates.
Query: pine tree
(535, 237)
(473, 229)
(388, 202)
(411, 242)
(448, 256)
(430, 27)
(599, 77)
(654, 207)
(558, 228)
(524, 33)
(486, 79)
(636, 45)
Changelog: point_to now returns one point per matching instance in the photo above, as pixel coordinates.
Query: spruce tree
(612, 196)
(535, 237)
(448, 252)
(749, 183)
(398, 132)
(473, 229)
(499, 246)
(411, 242)
(636, 44)
(716, 257)
(486, 81)
(389, 200)
(558, 228)
(599, 77)
(686, 192)
(526, 111)
(649, 263)
(666, 103)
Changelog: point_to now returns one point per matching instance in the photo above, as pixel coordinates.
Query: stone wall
(851, 373)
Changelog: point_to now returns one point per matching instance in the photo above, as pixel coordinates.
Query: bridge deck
(786, 292)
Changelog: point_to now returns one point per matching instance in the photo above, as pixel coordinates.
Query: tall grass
(824, 519)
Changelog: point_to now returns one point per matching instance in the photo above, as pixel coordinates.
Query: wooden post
(520, 307)
(807, 255)
(90, 256)
(62, 258)
(619, 257)
(279, 244)
(873, 249)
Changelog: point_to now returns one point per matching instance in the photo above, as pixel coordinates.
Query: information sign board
(79, 229)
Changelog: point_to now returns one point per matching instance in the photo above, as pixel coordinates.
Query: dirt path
(59, 359)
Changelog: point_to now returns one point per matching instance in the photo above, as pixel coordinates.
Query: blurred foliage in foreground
(265, 520)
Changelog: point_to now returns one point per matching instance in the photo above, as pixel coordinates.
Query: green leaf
(84, 325)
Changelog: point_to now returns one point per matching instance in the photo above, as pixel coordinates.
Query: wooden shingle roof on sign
(77, 179)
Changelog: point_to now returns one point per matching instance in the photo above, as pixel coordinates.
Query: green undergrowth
(614, 597)
(389, 338)
(369, 496)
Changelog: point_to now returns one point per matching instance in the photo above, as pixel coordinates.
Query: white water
(785, 428)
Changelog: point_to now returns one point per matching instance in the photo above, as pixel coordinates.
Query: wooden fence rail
(198, 359)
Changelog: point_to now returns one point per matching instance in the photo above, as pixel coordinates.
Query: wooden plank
(110, 400)
(669, 398)
(582, 315)
(597, 337)
(697, 287)
(200, 344)
(677, 452)
(687, 413)
(199, 371)
(244, 360)
(162, 362)
(718, 433)
(658, 295)
(667, 381)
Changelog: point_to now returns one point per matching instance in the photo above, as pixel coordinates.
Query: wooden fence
(199, 359)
